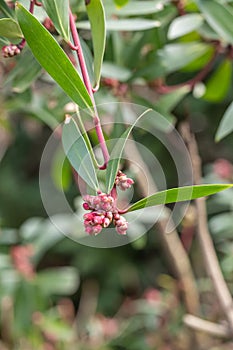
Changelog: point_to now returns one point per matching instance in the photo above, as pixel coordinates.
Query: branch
(206, 243)
(198, 324)
(176, 253)
(165, 89)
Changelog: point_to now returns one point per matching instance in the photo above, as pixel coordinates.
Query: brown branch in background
(165, 89)
(206, 243)
(179, 4)
(172, 245)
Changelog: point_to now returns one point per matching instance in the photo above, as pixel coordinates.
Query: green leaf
(131, 24)
(24, 73)
(179, 194)
(169, 101)
(219, 17)
(9, 28)
(218, 84)
(96, 15)
(116, 154)
(184, 25)
(58, 281)
(121, 3)
(226, 124)
(5, 9)
(111, 70)
(177, 56)
(58, 11)
(136, 8)
(52, 58)
(78, 154)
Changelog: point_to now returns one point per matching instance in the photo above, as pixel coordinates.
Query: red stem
(77, 47)
(165, 89)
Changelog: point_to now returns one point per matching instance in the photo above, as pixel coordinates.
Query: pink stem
(77, 47)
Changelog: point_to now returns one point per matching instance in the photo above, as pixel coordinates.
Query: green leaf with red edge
(58, 11)
(52, 58)
(179, 194)
(96, 15)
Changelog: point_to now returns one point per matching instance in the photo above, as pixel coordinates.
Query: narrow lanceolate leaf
(9, 28)
(179, 194)
(131, 24)
(226, 124)
(78, 154)
(219, 17)
(184, 25)
(5, 9)
(116, 154)
(58, 11)
(52, 58)
(95, 11)
(220, 78)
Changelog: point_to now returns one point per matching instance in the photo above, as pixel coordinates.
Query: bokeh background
(58, 294)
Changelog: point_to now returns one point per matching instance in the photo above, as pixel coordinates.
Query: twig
(77, 47)
(165, 89)
(206, 243)
(171, 242)
(215, 329)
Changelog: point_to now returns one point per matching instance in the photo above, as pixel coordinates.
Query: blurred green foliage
(57, 294)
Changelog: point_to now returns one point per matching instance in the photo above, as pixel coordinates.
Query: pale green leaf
(96, 15)
(116, 154)
(131, 24)
(184, 24)
(9, 28)
(219, 17)
(78, 154)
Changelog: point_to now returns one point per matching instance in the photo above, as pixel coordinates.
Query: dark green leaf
(95, 11)
(226, 124)
(116, 154)
(179, 194)
(52, 58)
(131, 24)
(9, 28)
(184, 25)
(218, 84)
(58, 11)
(219, 17)
(78, 154)
(5, 9)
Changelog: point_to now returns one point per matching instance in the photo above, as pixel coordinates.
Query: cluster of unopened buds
(10, 50)
(104, 211)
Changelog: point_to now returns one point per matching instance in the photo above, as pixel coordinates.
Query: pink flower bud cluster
(103, 213)
(122, 181)
(10, 50)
